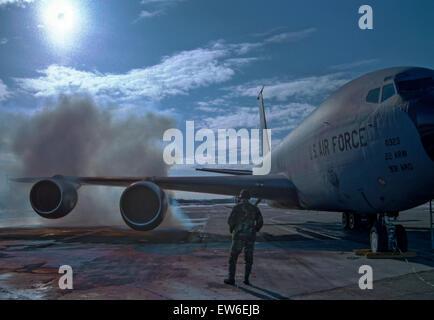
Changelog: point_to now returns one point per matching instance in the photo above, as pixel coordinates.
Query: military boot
(247, 274)
(231, 279)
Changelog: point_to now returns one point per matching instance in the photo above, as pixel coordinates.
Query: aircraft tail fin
(263, 123)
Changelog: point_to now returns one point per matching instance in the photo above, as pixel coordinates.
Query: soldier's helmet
(244, 194)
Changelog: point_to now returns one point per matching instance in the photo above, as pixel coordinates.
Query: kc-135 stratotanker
(366, 151)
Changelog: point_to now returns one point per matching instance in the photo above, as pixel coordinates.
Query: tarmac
(298, 255)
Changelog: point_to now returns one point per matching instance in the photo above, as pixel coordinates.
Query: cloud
(239, 117)
(291, 36)
(3, 41)
(268, 32)
(158, 7)
(308, 87)
(4, 92)
(239, 62)
(147, 14)
(174, 75)
(20, 3)
(353, 65)
(206, 108)
(214, 105)
(287, 116)
(245, 47)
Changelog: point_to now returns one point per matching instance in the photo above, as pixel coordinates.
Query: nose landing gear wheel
(378, 238)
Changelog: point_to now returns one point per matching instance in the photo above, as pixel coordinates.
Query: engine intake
(53, 198)
(143, 206)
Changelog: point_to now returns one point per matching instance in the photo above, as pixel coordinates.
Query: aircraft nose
(422, 114)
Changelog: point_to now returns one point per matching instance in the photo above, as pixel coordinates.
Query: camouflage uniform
(244, 221)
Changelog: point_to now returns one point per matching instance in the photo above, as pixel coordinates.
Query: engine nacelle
(53, 198)
(143, 206)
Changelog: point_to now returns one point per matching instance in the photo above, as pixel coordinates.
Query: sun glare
(61, 21)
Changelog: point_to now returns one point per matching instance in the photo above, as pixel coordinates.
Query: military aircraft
(366, 151)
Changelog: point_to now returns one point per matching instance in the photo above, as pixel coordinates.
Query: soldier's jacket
(245, 220)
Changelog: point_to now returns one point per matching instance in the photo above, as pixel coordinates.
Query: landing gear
(354, 221)
(385, 236)
(378, 238)
(345, 218)
(351, 221)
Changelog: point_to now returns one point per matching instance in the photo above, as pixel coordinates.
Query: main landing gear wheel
(385, 236)
(378, 238)
(353, 221)
(345, 223)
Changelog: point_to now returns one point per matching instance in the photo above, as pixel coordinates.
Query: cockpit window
(415, 85)
(373, 96)
(388, 91)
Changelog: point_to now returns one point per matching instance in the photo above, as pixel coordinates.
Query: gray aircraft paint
(334, 176)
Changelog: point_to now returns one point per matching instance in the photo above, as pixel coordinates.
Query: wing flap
(236, 172)
(273, 187)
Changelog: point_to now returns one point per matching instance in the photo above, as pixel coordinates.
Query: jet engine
(143, 206)
(53, 198)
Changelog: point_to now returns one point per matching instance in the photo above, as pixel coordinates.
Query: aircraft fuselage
(355, 155)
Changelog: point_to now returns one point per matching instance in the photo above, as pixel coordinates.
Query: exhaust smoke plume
(75, 137)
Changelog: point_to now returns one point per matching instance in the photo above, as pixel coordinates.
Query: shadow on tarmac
(265, 295)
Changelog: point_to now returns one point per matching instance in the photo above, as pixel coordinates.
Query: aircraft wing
(269, 187)
(143, 204)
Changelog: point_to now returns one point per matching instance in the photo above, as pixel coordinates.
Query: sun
(60, 21)
(60, 16)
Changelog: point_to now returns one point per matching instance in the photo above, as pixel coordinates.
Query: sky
(202, 60)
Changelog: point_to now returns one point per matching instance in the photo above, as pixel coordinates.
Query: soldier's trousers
(237, 247)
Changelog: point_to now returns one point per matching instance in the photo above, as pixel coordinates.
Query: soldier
(245, 220)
